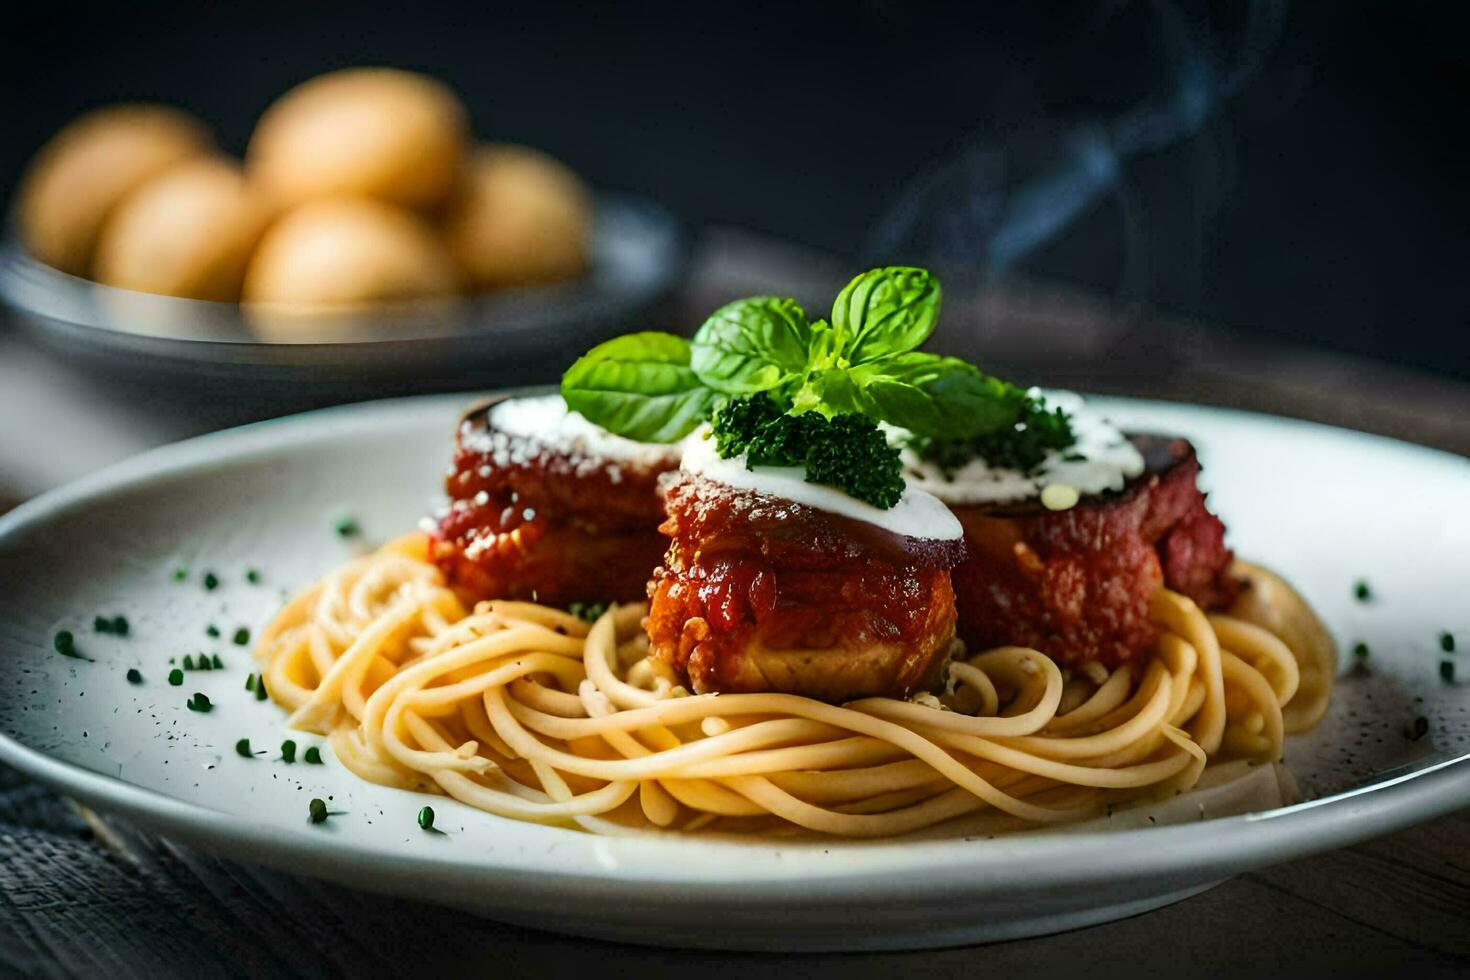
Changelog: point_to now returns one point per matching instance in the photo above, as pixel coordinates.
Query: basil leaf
(751, 345)
(938, 397)
(885, 312)
(639, 386)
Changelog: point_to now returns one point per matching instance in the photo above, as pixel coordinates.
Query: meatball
(759, 593)
(549, 518)
(1076, 584)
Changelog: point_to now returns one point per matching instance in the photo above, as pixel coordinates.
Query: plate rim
(883, 872)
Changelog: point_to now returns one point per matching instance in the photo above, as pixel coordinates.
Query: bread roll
(519, 218)
(370, 132)
(188, 232)
(92, 164)
(343, 253)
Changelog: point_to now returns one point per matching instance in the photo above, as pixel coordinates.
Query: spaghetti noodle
(528, 712)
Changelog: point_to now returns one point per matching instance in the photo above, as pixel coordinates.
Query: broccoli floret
(1022, 447)
(848, 452)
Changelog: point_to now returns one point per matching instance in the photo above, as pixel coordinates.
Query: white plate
(1324, 506)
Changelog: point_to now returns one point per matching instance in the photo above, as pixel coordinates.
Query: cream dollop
(918, 514)
(545, 419)
(1102, 459)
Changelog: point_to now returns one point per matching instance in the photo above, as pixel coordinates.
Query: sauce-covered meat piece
(759, 593)
(1076, 584)
(544, 507)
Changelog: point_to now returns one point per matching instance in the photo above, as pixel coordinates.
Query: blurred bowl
(511, 335)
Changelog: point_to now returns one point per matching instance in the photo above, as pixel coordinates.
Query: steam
(990, 207)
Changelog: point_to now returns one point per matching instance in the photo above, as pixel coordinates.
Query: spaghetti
(528, 712)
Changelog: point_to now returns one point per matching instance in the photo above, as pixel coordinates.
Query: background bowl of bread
(364, 209)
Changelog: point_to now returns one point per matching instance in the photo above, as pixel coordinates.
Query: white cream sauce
(522, 428)
(917, 514)
(1107, 461)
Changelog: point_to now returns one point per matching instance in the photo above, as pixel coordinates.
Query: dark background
(1297, 169)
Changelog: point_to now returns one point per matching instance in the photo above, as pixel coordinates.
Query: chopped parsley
(250, 682)
(188, 662)
(180, 573)
(848, 452)
(313, 755)
(176, 677)
(242, 749)
(66, 645)
(1447, 641)
(252, 576)
(1024, 446)
(211, 631)
(211, 581)
(346, 527)
(116, 625)
(426, 818)
(216, 663)
(317, 811)
(1361, 591)
(1360, 650)
(241, 637)
(260, 694)
(589, 611)
(288, 751)
(199, 702)
(1447, 671)
(134, 676)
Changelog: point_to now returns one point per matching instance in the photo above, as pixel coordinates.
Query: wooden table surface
(82, 895)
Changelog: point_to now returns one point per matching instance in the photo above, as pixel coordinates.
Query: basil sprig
(657, 387)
